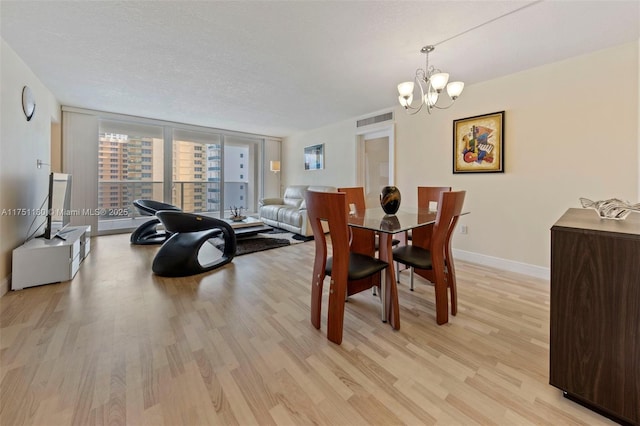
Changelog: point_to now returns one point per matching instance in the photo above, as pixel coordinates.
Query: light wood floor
(118, 345)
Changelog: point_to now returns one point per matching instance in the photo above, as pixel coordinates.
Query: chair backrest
(362, 240)
(449, 209)
(426, 194)
(355, 196)
(332, 207)
(150, 207)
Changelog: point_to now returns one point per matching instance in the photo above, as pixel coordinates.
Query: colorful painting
(314, 157)
(478, 144)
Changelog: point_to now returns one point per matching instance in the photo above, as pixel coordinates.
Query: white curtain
(80, 159)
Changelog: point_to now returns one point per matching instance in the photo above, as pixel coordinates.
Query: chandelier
(431, 82)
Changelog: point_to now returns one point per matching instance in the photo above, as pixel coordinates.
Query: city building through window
(133, 159)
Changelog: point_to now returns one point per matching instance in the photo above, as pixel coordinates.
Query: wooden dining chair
(347, 269)
(432, 257)
(361, 237)
(362, 240)
(426, 196)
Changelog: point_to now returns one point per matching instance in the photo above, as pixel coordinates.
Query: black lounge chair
(178, 256)
(147, 233)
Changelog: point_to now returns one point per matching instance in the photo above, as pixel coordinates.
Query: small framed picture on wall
(314, 157)
(478, 144)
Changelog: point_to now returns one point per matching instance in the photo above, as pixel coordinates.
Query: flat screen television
(59, 205)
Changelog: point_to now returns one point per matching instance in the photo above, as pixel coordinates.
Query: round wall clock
(28, 102)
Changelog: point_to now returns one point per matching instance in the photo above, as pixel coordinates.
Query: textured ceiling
(277, 68)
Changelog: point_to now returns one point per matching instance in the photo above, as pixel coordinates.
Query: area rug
(265, 241)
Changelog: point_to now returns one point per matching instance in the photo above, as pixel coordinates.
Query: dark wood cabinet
(595, 312)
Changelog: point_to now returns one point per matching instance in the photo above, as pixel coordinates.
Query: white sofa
(290, 211)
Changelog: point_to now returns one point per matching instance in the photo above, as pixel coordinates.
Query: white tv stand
(41, 261)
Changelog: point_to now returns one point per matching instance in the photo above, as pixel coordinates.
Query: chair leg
(398, 272)
(316, 298)
(412, 278)
(454, 298)
(335, 315)
(383, 295)
(440, 287)
(374, 290)
(451, 282)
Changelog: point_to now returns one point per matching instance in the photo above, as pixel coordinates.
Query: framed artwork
(478, 144)
(314, 157)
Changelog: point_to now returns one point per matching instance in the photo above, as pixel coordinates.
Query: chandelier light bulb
(405, 101)
(431, 98)
(406, 88)
(454, 89)
(439, 81)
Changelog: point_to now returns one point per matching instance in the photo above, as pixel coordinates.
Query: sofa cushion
(294, 195)
(266, 201)
(292, 217)
(318, 188)
(270, 211)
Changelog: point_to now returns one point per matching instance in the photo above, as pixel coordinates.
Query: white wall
(566, 136)
(22, 142)
(339, 156)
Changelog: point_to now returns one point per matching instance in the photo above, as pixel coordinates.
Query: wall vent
(373, 120)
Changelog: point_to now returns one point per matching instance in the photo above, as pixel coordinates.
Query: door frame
(373, 132)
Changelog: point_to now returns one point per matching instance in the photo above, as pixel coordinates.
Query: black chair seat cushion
(360, 266)
(413, 256)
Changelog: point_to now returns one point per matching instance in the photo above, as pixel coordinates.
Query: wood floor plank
(120, 346)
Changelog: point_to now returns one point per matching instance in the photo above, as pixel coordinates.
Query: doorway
(375, 163)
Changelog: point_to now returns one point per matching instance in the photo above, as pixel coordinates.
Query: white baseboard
(4, 285)
(505, 264)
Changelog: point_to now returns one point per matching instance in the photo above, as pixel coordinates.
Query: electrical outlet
(464, 229)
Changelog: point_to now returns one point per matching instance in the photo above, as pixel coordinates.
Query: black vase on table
(390, 199)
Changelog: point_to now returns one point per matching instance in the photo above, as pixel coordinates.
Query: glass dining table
(376, 220)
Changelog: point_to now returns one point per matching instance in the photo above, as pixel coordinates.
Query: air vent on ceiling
(373, 120)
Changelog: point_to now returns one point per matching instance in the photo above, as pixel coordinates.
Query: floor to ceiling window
(130, 167)
(196, 166)
(214, 173)
(198, 171)
(241, 174)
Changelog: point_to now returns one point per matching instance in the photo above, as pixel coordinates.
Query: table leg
(386, 254)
